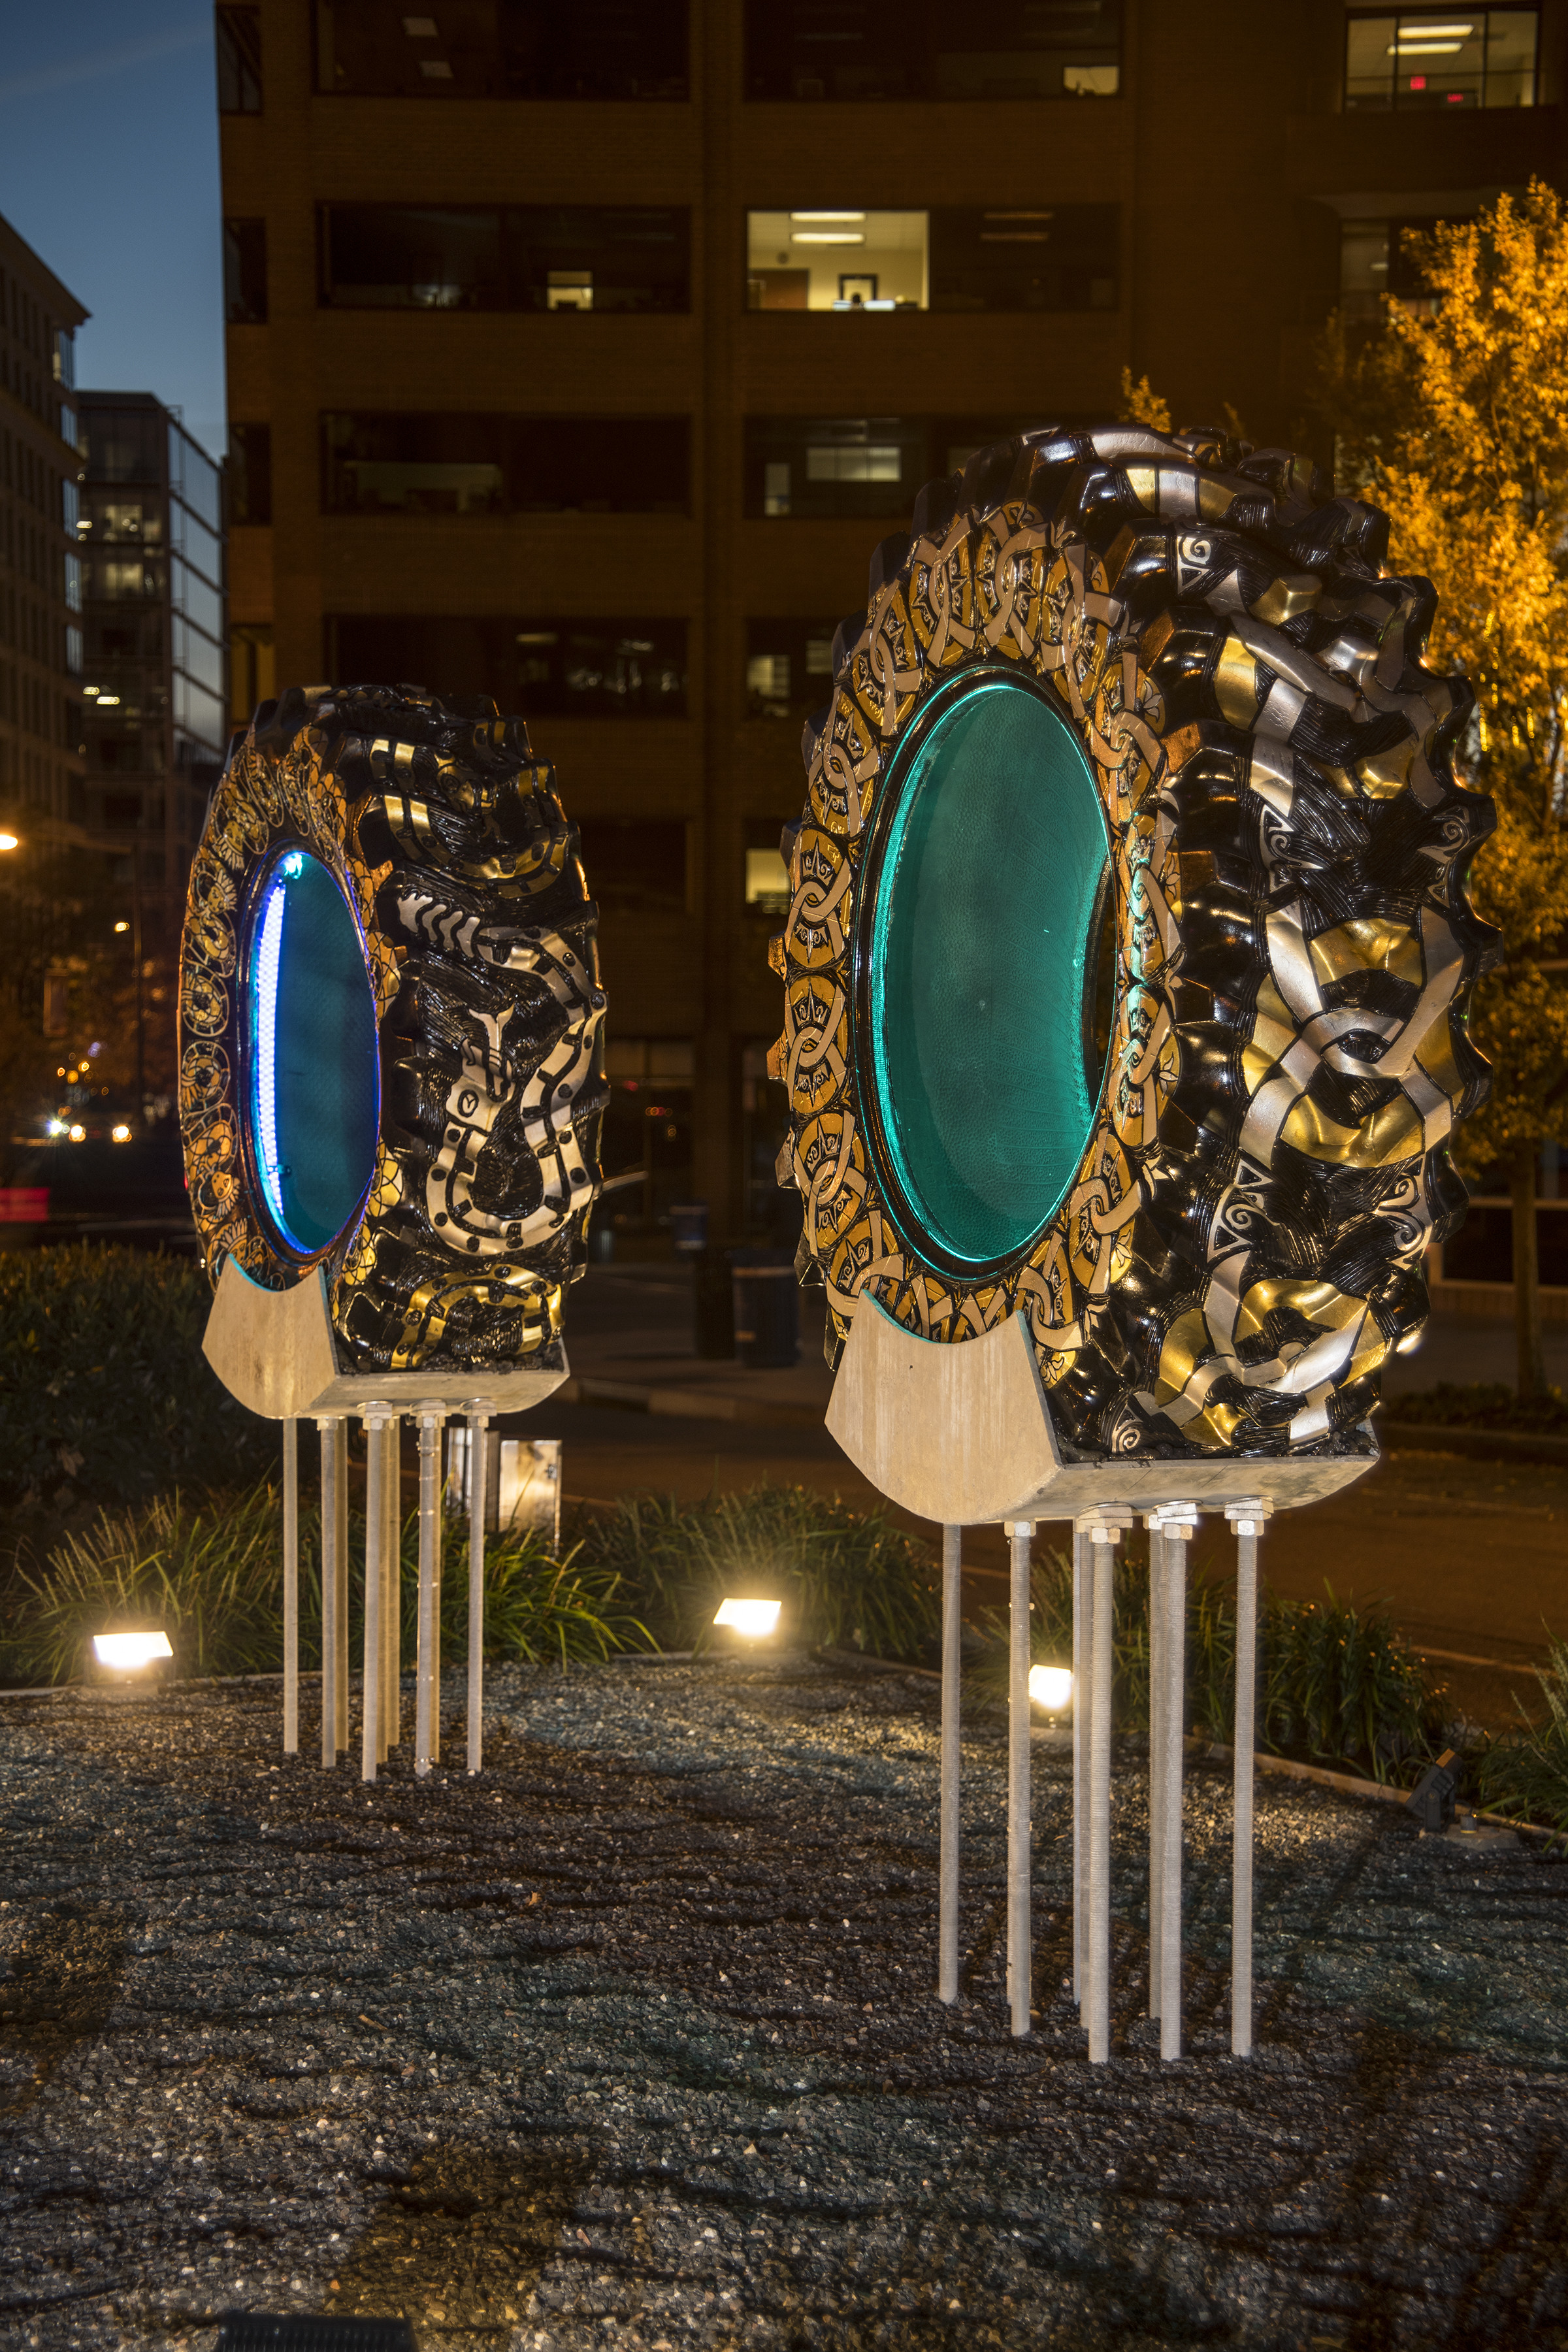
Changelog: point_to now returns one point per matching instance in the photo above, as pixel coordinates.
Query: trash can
(688, 1227)
(712, 1306)
(767, 1308)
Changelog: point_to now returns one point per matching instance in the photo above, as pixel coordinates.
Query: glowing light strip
(268, 953)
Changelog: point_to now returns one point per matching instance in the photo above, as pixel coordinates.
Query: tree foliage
(1455, 420)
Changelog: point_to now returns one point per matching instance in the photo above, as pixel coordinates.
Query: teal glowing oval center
(983, 936)
(313, 1094)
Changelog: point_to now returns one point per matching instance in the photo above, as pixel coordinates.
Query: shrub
(847, 1578)
(1525, 1773)
(1479, 1404)
(104, 1392)
(1335, 1683)
(209, 1571)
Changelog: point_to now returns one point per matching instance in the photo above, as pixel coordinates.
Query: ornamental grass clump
(208, 1568)
(1525, 1774)
(847, 1578)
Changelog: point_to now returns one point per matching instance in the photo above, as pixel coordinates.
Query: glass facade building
(155, 617)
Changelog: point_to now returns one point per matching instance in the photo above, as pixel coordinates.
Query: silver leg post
(1079, 1721)
(1019, 1970)
(341, 1482)
(1156, 1748)
(392, 1607)
(1179, 1525)
(290, 1588)
(330, 1740)
(374, 1590)
(1104, 1534)
(951, 1626)
(1247, 1520)
(1083, 1901)
(426, 1664)
(479, 1461)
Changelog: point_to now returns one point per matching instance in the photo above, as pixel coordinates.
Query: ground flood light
(752, 1618)
(1051, 1687)
(127, 1652)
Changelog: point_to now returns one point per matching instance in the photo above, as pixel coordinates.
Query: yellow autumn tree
(1455, 420)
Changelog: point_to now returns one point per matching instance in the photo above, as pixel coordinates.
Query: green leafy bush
(208, 1569)
(1480, 1404)
(104, 1392)
(1336, 1684)
(1525, 1774)
(847, 1578)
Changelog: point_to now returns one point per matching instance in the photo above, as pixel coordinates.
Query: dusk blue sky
(109, 168)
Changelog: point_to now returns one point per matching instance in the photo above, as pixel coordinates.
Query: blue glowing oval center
(981, 941)
(314, 1095)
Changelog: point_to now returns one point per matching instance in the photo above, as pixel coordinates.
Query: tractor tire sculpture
(389, 1021)
(1165, 674)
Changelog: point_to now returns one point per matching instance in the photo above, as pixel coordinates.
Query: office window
(860, 50)
(124, 444)
(615, 49)
(1019, 259)
(238, 60)
(789, 666)
(65, 357)
(1378, 257)
(819, 258)
(834, 466)
(245, 273)
(566, 258)
(635, 863)
(1441, 58)
(605, 258)
(543, 667)
(457, 464)
(73, 583)
(249, 473)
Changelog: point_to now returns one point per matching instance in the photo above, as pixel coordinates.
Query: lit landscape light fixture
(121, 1134)
(752, 1618)
(9, 841)
(1051, 1687)
(127, 1654)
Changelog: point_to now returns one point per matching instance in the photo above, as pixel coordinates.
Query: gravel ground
(632, 2042)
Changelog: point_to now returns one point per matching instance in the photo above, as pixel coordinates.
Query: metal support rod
(1172, 1724)
(426, 1686)
(1020, 1986)
(391, 1613)
(1098, 2003)
(330, 1740)
(374, 1582)
(1079, 1725)
(341, 1483)
(478, 1460)
(1156, 1750)
(290, 1588)
(1082, 1748)
(952, 1628)
(1244, 1738)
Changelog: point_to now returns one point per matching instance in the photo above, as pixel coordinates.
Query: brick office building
(40, 579)
(580, 355)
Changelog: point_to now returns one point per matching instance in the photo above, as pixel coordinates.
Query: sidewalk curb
(1479, 1445)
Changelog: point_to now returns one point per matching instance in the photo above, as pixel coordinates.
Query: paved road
(1472, 1556)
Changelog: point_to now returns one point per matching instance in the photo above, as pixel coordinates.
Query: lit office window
(1034, 258)
(817, 468)
(861, 51)
(603, 49)
(1432, 58)
(820, 258)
